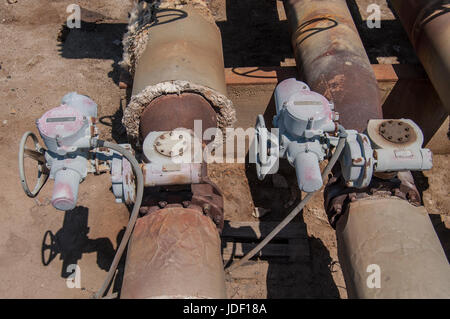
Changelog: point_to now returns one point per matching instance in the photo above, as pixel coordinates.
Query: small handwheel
(38, 155)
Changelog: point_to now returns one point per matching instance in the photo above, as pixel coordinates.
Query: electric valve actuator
(307, 129)
(69, 133)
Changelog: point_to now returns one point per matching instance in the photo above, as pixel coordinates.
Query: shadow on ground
(443, 233)
(390, 40)
(309, 276)
(72, 241)
(253, 35)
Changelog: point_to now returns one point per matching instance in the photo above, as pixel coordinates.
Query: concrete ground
(36, 70)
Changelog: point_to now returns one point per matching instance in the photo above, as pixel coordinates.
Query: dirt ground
(37, 70)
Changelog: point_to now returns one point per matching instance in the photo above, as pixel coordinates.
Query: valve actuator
(307, 130)
(69, 132)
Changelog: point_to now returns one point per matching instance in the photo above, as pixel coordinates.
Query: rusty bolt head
(143, 210)
(206, 208)
(186, 204)
(162, 204)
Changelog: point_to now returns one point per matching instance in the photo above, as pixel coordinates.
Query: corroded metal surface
(397, 131)
(427, 23)
(174, 253)
(331, 56)
(203, 196)
(338, 197)
(182, 53)
(169, 112)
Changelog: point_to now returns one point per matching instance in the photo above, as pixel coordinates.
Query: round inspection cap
(396, 131)
(62, 121)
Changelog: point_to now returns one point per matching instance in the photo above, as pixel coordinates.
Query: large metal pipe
(387, 233)
(174, 253)
(178, 68)
(183, 44)
(397, 239)
(427, 23)
(332, 58)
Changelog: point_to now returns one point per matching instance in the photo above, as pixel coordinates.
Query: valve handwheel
(38, 154)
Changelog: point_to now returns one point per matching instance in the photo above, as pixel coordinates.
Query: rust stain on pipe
(427, 23)
(170, 112)
(174, 253)
(331, 56)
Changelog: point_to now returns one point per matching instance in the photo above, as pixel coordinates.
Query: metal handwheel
(38, 155)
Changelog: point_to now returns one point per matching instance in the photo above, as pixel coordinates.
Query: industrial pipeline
(173, 53)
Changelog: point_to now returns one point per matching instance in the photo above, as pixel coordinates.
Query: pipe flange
(357, 161)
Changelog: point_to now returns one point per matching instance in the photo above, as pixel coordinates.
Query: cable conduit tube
(134, 213)
(297, 209)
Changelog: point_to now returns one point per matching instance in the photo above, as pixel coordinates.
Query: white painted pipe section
(393, 160)
(388, 249)
(157, 174)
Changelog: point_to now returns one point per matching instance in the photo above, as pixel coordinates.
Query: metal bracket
(122, 178)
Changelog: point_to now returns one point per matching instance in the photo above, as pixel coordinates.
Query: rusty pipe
(391, 238)
(331, 57)
(174, 253)
(183, 45)
(427, 23)
(389, 233)
(188, 107)
(387, 246)
(179, 72)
